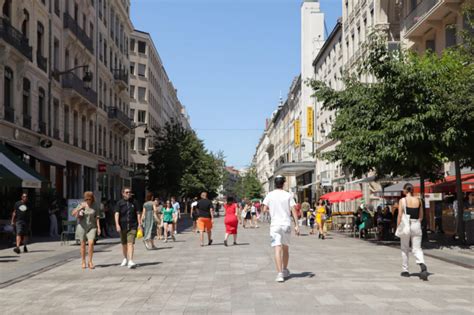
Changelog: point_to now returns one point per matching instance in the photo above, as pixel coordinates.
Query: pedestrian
(194, 213)
(159, 218)
(88, 226)
(168, 221)
(103, 218)
(305, 207)
(311, 219)
(281, 206)
(53, 219)
(253, 211)
(127, 222)
(412, 207)
(206, 218)
(21, 220)
(248, 214)
(231, 222)
(321, 218)
(149, 213)
(176, 214)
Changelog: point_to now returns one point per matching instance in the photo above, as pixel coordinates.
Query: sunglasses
(127, 192)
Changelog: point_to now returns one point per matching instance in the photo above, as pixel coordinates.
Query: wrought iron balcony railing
(418, 13)
(71, 24)
(15, 38)
(72, 81)
(115, 113)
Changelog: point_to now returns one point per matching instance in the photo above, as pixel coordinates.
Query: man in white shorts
(281, 206)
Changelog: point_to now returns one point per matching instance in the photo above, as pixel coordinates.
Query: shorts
(195, 217)
(85, 234)
(280, 235)
(22, 228)
(127, 237)
(168, 222)
(204, 224)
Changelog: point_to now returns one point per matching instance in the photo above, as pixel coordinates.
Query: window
(7, 9)
(91, 31)
(132, 91)
(141, 144)
(56, 8)
(430, 45)
(141, 116)
(141, 47)
(41, 109)
(450, 32)
(25, 24)
(91, 136)
(132, 114)
(132, 68)
(75, 122)
(26, 97)
(141, 93)
(83, 131)
(105, 144)
(7, 87)
(56, 53)
(132, 44)
(56, 118)
(132, 144)
(66, 123)
(141, 69)
(40, 37)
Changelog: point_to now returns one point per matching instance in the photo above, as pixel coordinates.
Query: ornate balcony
(119, 118)
(9, 114)
(15, 38)
(72, 25)
(42, 62)
(27, 121)
(72, 81)
(121, 78)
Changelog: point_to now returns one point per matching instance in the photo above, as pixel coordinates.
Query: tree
(249, 186)
(180, 165)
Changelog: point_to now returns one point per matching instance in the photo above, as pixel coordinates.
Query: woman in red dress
(231, 221)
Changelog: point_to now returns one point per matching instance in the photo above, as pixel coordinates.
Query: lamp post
(87, 78)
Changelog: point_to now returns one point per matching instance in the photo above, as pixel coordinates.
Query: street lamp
(86, 79)
(146, 131)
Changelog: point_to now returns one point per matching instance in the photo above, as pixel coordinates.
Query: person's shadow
(417, 274)
(305, 274)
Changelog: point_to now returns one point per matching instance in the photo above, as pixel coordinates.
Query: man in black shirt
(127, 221)
(21, 219)
(206, 218)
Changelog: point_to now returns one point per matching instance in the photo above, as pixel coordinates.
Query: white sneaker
(131, 265)
(279, 277)
(124, 262)
(286, 273)
(175, 232)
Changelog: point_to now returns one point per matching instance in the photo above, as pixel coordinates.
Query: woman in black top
(413, 207)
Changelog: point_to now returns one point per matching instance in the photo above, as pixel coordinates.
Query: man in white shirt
(281, 206)
(194, 214)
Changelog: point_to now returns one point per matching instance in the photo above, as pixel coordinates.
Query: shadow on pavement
(149, 264)
(417, 274)
(102, 251)
(2, 257)
(107, 265)
(8, 260)
(40, 251)
(241, 244)
(305, 274)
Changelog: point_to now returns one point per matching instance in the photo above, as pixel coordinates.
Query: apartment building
(154, 102)
(64, 85)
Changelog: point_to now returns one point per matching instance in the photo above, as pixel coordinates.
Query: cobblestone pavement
(338, 275)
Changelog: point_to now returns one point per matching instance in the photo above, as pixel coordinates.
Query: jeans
(415, 237)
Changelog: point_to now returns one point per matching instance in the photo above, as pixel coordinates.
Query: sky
(229, 61)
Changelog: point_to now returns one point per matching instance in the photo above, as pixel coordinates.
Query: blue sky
(229, 61)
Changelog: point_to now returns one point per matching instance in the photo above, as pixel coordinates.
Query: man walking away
(21, 218)
(206, 218)
(176, 213)
(127, 221)
(194, 213)
(281, 206)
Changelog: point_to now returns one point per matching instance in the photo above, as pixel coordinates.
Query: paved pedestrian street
(339, 275)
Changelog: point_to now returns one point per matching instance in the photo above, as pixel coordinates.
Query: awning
(294, 168)
(342, 196)
(34, 153)
(396, 189)
(447, 185)
(363, 180)
(12, 166)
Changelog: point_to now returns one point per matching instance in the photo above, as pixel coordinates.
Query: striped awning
(14, 172)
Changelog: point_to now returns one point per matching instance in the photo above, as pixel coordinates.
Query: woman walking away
(253, 211)
(158, 218)
(168, 220)
(148, 221)
(248, 214)
(320, 218)
(231, 221)
(88, 226)
(413, 208)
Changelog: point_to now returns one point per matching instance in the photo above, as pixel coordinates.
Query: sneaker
(405, 274)
(174, 238)
(124, 262)
(225, 243)
(131, 265)
(209, 243)
(280, 277)
(424, 272)
(286, 273)
(25, 250)
(17, 250)
(175, 232)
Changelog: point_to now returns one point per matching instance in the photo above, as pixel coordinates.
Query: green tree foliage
(249, 186)
(180, 165)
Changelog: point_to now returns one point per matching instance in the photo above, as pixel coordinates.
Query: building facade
(64, 85)
(154, 102)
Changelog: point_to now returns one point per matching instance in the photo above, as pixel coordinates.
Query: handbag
(139, 233)
(403, 229)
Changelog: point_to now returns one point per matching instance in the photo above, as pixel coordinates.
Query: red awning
(341, 196)
(448, 184)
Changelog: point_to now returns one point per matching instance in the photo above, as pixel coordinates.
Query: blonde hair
(89, 195)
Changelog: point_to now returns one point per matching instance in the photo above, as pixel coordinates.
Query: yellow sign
(310, 121)
(297, 127)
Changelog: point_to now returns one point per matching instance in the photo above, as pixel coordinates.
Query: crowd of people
(158, 220)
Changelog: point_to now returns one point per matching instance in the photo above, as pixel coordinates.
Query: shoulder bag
(403, 229)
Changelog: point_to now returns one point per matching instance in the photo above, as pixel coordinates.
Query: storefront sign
(326, 182)
(297, 129)
(102, 168)
(310, 121)
(71, 205)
